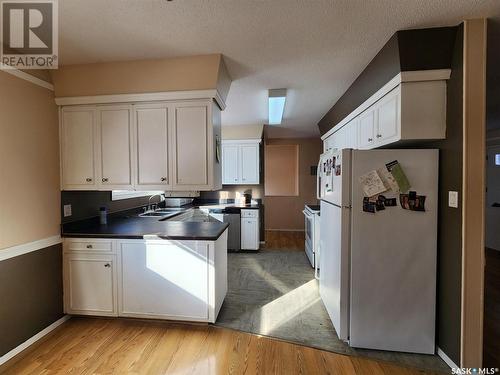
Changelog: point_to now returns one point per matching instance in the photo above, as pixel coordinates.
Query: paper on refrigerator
(372, 184)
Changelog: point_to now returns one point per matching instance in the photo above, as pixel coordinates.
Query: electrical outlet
(453, 199)
(67, 210)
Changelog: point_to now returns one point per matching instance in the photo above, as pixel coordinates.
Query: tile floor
(274, 293)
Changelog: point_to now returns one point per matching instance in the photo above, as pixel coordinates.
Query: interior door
(116, 147)
(152, 146)
(191, 151)
(249, 164)
(493, 198)
(230, 164)
(77, 139)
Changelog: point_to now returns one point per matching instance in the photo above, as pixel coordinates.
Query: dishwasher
(233, 234)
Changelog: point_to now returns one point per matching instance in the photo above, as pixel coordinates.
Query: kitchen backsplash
(86, 204)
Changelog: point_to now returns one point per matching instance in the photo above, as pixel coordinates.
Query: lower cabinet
(90, 284)
(164, 279)
(250, 230)
(160, 279)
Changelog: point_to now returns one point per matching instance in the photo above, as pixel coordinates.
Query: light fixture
(277, 98)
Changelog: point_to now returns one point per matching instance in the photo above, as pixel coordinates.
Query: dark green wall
(31, 295)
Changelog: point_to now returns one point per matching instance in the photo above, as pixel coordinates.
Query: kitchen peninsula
(149, 265)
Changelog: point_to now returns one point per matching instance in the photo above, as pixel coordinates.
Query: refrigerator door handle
(318, 188)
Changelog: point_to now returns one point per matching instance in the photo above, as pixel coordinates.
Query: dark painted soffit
(406, 50)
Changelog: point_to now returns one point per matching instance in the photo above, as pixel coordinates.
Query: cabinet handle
(370, 139)
(88, 179)
(107, 265)
(89, 246)
(236, 179)
(104, 179)
(244, 179)
(379, 135)
(164, 179)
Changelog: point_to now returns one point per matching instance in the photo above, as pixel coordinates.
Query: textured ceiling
(314, 48)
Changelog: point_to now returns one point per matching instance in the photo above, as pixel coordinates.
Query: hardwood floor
(286, 240)
(119, 346)
(491, 348)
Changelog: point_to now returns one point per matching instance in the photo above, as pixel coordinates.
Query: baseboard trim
(14, 251)
(25, 345)
(446, 359)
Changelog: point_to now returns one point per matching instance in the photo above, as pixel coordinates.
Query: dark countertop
(228, 207)
(133, 227)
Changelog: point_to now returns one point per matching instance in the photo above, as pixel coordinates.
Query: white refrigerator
(378, 269)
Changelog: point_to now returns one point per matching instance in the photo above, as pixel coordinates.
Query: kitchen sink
(163, 212)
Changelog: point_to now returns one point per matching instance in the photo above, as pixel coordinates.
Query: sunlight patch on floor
(278, 312)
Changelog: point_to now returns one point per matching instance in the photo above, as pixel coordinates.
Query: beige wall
(242, 132)
(285, 213)
(141, 76)
(29, 162)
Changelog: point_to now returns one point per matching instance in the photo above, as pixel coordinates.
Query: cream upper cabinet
(249, 163)
(190, 145)
(170, 146)
(78, 149)
(230, 164)
(387, 110)
(408, 111)
(115, 136)
(366, 129)
(152, 138)
(240, 162)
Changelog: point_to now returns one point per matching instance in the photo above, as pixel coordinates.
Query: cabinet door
(249, 234)
(366, 129)
(190, 149)
(152, 147)
(115, 135)
(352, 134)
(164, 279)
(388, 124)
(230, 164)
(90, 284)
(77, 148)
(249, 164)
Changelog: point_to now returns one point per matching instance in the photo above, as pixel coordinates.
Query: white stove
(312, 224)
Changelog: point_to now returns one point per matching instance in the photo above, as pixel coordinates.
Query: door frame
(473, 194)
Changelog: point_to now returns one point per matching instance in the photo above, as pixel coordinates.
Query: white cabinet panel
(115, 133)
(250, 228)
(77, 148)
(230, 164)
(164, 279)
(191, 151)
(241, 162)
(366, 129)
(152, 146)
(352, 134)
(90, 284)
(249, 164)
(387, 112)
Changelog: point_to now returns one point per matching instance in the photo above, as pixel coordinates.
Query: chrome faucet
(150, 206)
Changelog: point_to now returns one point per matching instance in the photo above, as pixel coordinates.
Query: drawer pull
(370, 139)
(107, 265)
(379, 135)
(88, 179)
(163, 179)
(89, 246)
